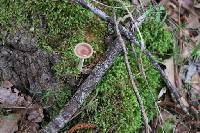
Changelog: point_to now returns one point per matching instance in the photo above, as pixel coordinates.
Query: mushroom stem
(80, 65)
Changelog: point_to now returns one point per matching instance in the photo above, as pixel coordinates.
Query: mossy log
(85, 89)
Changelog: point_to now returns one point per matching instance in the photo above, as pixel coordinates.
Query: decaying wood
(24, 65)
(131, 77)
(84, 90)
(175, 94)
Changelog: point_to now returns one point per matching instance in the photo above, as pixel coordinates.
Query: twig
(81, 126)
(171, 106)
(131, 77)
(105, 5)
(175, 94)
(140, 66)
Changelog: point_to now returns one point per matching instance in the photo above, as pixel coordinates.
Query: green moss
(196, 51)
(53, 101)
(69, 62)
(66, 25)
(116, 105)
(156, 37)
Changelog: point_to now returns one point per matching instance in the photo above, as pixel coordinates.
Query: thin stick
(105, 5)
(131, 77)
(175, 94)
(140, 67)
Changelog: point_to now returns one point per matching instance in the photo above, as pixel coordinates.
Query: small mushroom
(83, 51)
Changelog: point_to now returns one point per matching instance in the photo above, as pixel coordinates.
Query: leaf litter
(183, 69)
(25, 113)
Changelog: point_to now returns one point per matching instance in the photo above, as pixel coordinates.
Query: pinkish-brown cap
(83, 50)
(7, 84)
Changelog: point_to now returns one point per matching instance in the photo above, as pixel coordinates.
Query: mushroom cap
(7, 84)
(83, 50)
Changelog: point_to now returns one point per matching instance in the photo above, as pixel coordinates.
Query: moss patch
(156, 37)
(53, 101)
(115, 106)
(67, 24)
(59, 26)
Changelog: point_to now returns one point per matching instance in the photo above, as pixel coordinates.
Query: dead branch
(131, 77)
(175, 94)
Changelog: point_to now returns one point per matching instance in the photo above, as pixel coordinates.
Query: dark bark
(84, 90)
(24, 65)
(125, 32)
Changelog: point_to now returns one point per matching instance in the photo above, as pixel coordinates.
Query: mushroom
(83, 51)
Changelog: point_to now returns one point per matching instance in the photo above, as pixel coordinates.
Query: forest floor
(43, 88)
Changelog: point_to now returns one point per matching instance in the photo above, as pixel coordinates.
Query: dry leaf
(169, 63)
(10, 97)
(186, 50)
(35, 113)
(7, 84)
(8, 124)
(196, 39)
(162, 92)
(193, 22)
(135, 2)
(187, 71)
(187, 4)
(196, 83)
(164, 2)
(196, 88)
(195, 79)
(30, 114)
(181, 128)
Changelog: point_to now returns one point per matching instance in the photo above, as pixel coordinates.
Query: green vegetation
(55, 100)
(116, 105)
(67, 24)
(156, 37)
(196, 51)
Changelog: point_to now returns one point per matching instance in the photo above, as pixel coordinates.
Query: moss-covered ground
(66, 24)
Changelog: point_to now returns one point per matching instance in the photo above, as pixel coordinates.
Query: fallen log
(125, 32)
(85, 89)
